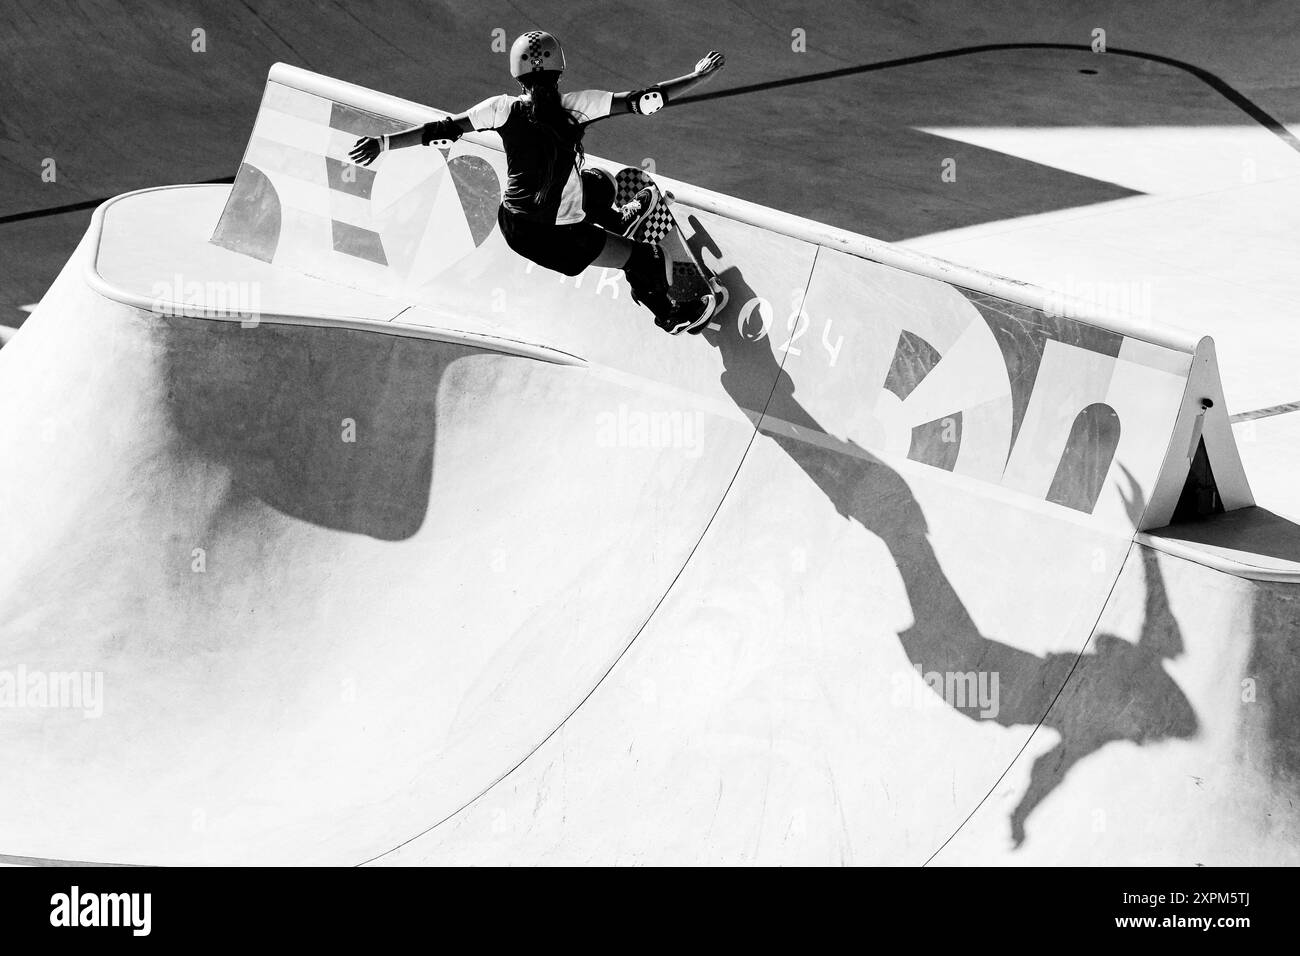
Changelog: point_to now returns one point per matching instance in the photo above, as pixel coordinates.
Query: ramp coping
(392, 326)
(1277, 572)
(774, 220)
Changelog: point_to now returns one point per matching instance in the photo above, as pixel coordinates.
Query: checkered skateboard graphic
(627, 184)
(687, 277)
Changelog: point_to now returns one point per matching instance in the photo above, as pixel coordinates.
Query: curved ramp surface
(386, 546)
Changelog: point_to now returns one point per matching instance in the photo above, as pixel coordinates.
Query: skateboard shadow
(1114, 691)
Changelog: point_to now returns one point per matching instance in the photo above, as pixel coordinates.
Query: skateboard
(688, 277)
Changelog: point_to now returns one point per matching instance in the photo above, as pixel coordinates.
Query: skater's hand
(711, 63)
(365, 151)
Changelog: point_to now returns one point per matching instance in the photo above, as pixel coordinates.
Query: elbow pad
(650, 100)
(442, 129)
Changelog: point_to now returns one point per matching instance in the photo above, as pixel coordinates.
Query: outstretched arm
(369, 147)
(656, 97)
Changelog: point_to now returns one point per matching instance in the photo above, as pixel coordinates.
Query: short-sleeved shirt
(527, 154)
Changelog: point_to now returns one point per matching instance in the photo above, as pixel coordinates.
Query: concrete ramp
(391, 547)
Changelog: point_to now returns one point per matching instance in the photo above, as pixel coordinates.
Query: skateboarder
(554, 212)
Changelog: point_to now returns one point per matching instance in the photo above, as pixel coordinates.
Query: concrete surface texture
(447, 559)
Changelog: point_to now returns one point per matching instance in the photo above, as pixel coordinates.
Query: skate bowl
(363, 540)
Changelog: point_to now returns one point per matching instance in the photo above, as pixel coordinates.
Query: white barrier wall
(987, 379)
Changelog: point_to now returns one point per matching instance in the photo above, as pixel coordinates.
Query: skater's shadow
(1117, 690)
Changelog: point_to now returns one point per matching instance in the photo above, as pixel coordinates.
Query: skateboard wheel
(721, 294)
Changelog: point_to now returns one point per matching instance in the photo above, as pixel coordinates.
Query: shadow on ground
(1119, 691)
(329, 426)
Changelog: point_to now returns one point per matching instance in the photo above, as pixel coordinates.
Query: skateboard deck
(688, 277)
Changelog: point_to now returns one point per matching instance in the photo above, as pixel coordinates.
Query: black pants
(569, 248)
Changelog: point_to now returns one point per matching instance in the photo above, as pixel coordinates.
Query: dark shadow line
(1268, 412)
(90, 204)
(1092, 632)
(1215, 82)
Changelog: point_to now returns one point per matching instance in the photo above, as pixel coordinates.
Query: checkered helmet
(536, 51)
